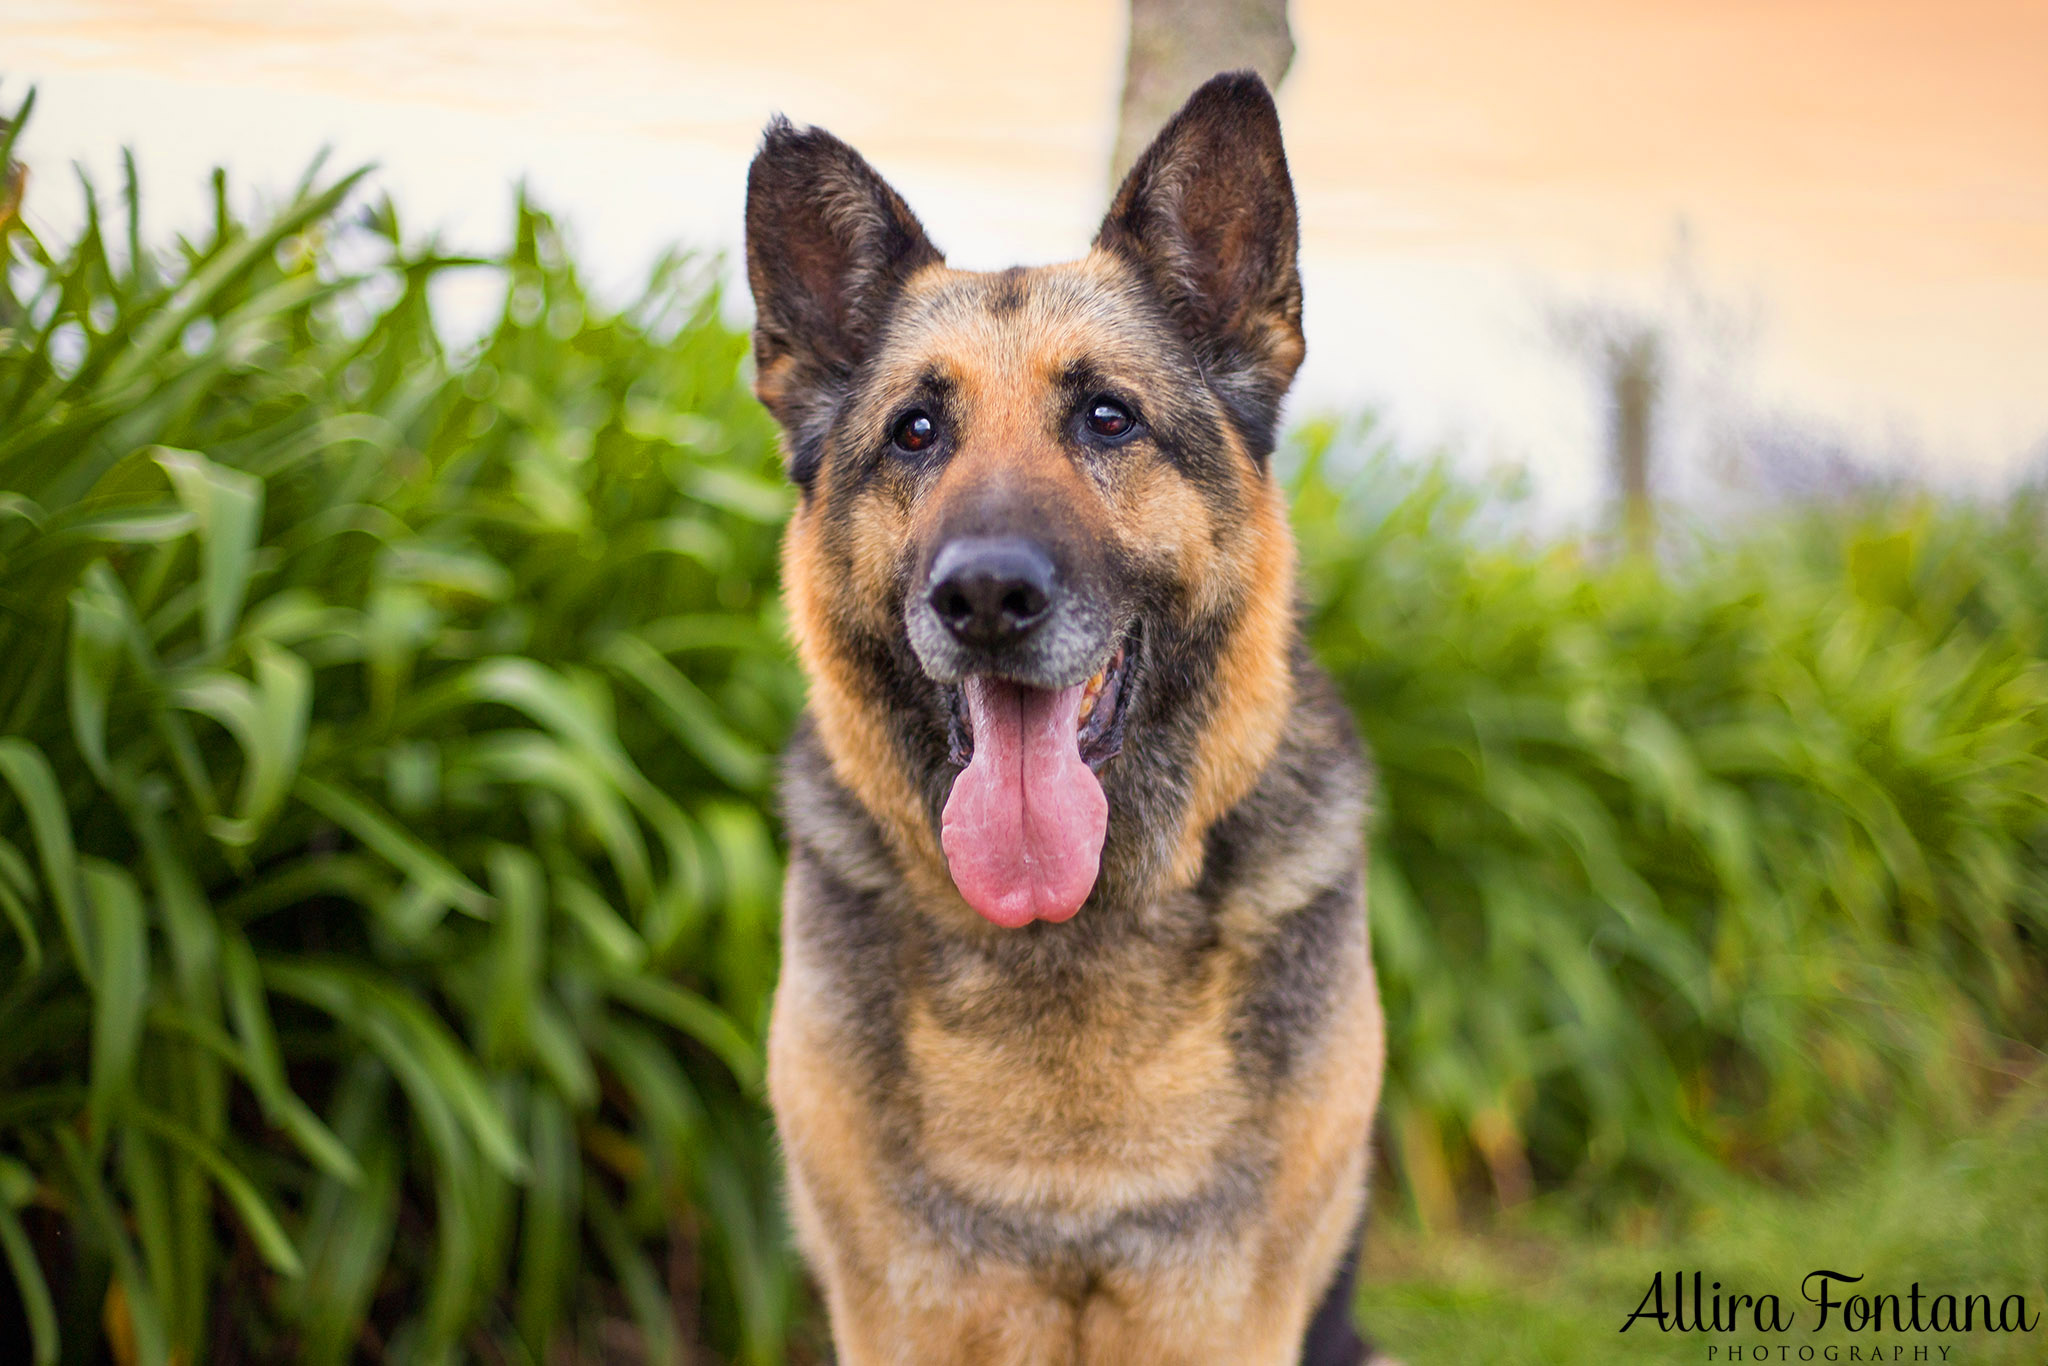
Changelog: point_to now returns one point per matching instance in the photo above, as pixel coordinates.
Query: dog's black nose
(991, 591)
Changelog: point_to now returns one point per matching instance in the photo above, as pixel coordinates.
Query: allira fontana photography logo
(1879, 1325)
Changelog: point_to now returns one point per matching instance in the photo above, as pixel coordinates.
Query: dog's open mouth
(1098, 729)
(1024, 824)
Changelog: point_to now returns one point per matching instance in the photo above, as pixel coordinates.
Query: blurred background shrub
(1728, 861)
(386, 844)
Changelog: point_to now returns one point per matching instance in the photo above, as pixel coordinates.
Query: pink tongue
(1023, 827)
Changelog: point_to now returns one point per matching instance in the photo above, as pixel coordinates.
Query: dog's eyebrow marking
(1006, 292)
(1079, 379)
(936, 386)
(930, 386)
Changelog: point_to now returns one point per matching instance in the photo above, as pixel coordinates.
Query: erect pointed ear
(1207, 213)
(828, 246)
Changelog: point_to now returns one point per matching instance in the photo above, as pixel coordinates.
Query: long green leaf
(28, 773)
(263, 1063)
(379, 832)
(696, 1017)
(98, 630)
(268, 720)
(405, 1033)
(29, 1282)
(264, 1228)
(121, 997)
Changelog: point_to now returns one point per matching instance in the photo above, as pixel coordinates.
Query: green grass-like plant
(387, 878)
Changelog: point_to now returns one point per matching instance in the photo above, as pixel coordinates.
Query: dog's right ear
(829, 244)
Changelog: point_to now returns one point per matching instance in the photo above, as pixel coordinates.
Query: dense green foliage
(1679, 868)
(388, 883)
(386, 845)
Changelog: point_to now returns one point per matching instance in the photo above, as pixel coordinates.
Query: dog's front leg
(896, 1297)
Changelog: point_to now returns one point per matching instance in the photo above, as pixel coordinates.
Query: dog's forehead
(1026, 325)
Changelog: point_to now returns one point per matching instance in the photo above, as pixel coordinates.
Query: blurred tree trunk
(1178, 44)
(1634, 375)
(1625, 350)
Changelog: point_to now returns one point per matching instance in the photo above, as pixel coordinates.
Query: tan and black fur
(1138, 1136)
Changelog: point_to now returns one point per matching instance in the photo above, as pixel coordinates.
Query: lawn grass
(1537, 1285)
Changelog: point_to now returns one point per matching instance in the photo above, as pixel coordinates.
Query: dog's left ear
(1208, 214)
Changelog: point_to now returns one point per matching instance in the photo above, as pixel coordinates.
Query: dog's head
(1040, 574)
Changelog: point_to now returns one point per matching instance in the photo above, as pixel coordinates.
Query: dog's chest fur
(1121, 1092)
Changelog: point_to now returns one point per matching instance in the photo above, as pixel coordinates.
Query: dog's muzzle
(1008, 608)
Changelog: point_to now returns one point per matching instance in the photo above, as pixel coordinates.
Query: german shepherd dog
(1076, 1047)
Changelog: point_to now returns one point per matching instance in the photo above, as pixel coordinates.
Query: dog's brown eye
(915, 432)
(1108, 419)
